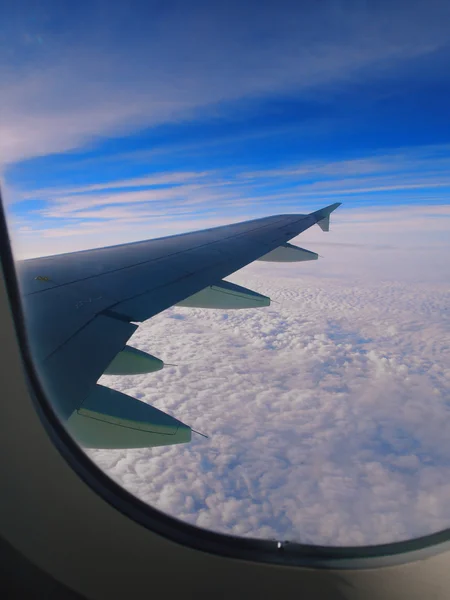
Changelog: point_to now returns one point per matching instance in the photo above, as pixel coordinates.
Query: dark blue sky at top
(98, 92)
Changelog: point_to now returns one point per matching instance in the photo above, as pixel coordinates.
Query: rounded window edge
(277, 552)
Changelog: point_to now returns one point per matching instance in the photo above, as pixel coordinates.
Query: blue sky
(123, 122)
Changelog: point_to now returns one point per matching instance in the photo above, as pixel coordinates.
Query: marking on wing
(81, 302)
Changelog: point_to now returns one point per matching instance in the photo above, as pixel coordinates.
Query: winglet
(322, 216)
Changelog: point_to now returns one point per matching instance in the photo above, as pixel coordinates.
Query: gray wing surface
(81, 308)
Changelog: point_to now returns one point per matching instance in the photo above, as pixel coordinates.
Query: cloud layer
(328, 413)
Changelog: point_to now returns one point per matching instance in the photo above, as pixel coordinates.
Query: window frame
(249, 549)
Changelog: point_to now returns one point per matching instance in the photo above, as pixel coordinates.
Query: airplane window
(282, 373)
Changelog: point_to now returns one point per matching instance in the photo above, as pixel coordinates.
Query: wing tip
(322, 216)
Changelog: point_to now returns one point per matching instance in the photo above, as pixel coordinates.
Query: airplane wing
(82, 307)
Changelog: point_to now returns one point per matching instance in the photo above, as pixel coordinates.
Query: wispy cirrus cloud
(170, 202)
(407, 166)
(401, 160)
(155, 179)
(67, 89)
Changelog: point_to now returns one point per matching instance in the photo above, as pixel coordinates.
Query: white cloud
(327, 413)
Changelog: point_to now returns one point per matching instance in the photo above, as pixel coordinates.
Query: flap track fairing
(110, 419)
(225, 295)
(289, 253)
(131, 361)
